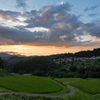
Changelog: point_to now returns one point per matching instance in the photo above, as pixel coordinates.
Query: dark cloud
(13, 15)
(92, 15)
(92, 28)
(51, 38)
(9, 15)
(91, 8)
(30, 14)
(58, 20)
(14, 36)
(86, 9)
(48, 15)
(21, 4)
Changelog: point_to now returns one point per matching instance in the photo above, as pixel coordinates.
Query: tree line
(88, 53)
(1, 64)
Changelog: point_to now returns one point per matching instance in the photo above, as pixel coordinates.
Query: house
(93, 57)
(86, 58)
(81, 58)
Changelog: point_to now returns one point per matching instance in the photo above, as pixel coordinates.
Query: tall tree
(1, 63)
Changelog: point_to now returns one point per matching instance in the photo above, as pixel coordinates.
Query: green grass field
(90, 85)
(30, 84)
(69, 79)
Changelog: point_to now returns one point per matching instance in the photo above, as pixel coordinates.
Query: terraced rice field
(30, 84)
(89, 85)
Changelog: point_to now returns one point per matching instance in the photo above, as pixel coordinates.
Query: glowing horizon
(39, 50)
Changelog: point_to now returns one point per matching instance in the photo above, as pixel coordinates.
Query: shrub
(20, 72)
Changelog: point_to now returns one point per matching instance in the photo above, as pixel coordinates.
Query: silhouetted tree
(1, 63)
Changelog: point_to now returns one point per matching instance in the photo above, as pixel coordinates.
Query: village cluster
(77, 58)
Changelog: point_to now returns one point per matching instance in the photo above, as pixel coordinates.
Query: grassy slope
(30, 84)
(78, 95)
(91, 85)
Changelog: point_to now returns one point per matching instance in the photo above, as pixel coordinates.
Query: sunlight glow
(39, 50)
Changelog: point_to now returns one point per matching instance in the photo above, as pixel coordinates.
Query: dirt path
(29, 94)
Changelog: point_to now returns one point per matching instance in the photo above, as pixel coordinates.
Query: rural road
(28, 94)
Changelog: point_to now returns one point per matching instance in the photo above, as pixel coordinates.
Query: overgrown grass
(30, 84)
(78, 95)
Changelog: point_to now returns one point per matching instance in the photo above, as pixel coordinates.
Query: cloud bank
(64, 29)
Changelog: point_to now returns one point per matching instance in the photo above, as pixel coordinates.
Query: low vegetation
(24, 97)
(4, 73)
(78, 95)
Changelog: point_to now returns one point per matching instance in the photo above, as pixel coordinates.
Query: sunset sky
(45, 27)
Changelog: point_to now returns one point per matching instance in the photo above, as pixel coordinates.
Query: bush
(20, 72)
(4, 73)
(38, 73)
(24, 97)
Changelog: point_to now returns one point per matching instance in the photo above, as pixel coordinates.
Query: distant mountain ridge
(6, 56)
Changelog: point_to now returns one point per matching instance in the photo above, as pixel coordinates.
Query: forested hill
(95, 52)
(3, 72)
(88, 53)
